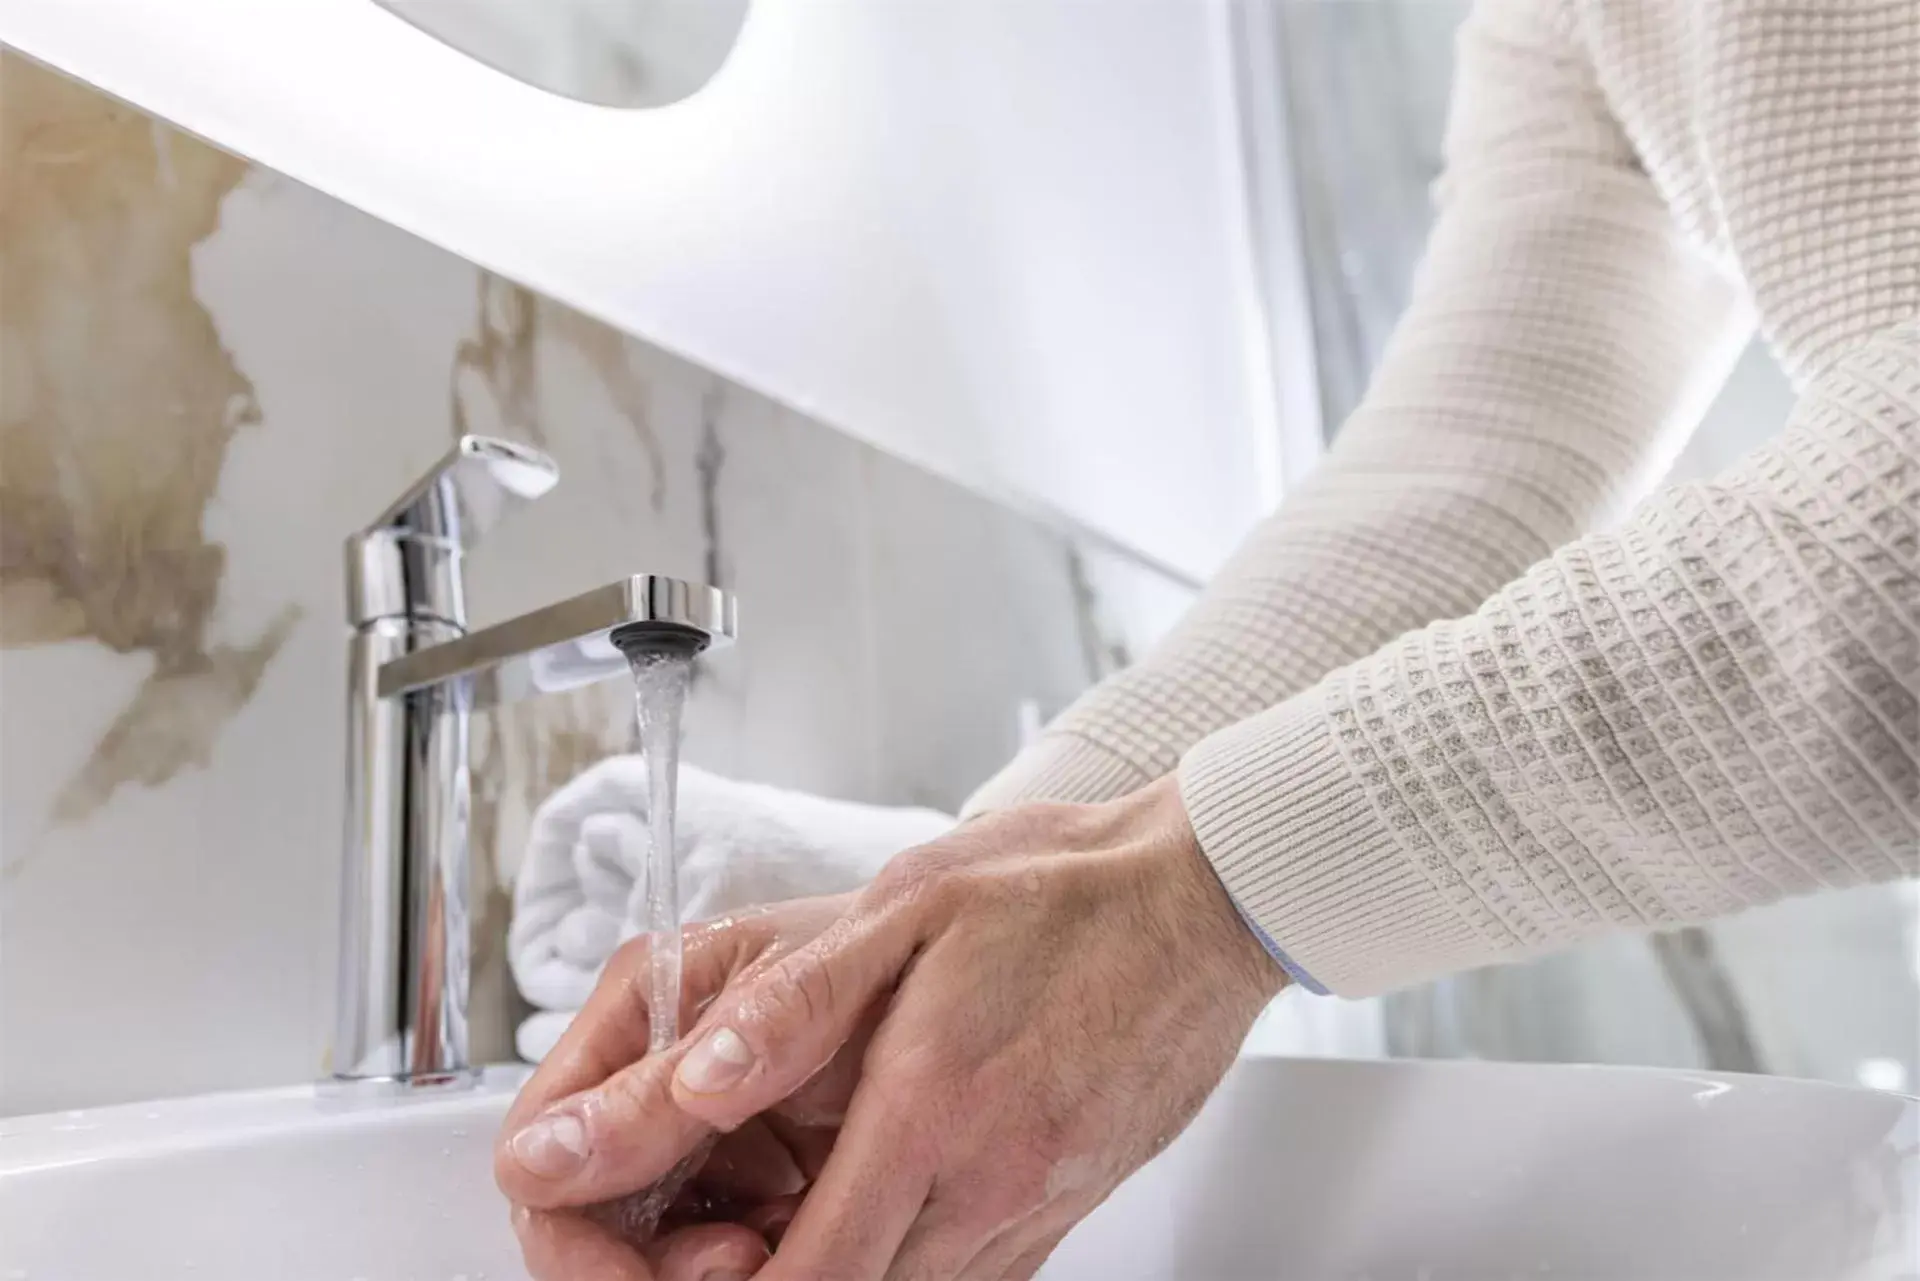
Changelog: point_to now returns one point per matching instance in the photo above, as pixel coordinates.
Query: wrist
(1205, 908)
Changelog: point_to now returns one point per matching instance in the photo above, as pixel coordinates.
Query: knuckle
(636, 1091)
(907, 879)
(933, 880)
(794, 993)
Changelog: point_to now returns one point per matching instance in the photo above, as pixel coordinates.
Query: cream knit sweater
(1707, 704)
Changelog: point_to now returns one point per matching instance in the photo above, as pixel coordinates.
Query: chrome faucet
(415, 673)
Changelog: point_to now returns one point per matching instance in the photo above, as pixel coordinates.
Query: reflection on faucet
(415, 674)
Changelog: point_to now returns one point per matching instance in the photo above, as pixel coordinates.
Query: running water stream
(660, 677)
(659, 695)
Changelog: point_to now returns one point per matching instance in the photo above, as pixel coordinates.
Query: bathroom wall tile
(794, 702)
(973, 615)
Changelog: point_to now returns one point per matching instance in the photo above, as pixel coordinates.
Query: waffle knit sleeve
(1555, 335)
(1710, 708)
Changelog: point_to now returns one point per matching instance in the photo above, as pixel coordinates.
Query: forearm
(1557, 334)
(1710, 709)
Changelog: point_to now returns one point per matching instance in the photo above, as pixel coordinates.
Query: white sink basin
(1313, 1170)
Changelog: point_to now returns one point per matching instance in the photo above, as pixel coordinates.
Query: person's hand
(572, 1187)
(1062, 988)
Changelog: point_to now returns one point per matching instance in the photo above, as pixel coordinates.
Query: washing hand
(1045, 996)
(610, 1114)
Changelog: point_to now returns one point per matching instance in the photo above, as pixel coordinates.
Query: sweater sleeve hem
(1293, 835)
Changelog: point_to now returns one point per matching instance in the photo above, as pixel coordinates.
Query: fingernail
(717, 1063)
(552, 1147)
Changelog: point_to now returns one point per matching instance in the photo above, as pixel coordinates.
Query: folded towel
(539, 1033)
(582, 890)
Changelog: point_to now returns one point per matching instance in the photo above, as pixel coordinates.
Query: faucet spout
(565, 645)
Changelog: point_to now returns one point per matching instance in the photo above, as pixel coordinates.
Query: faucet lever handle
(407, 562)
(470, 489)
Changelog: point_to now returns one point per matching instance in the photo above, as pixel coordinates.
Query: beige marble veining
(608, 352)
(107, 465)
(493, 388)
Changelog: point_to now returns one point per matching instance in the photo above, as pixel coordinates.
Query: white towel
(582, 890)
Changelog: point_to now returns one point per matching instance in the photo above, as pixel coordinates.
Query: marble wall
(210, 374)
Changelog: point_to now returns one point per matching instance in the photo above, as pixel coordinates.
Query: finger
(620, 1129)
(1015, 1239)
(764, 1039)
(565, 1246)
(1023, 1267)
(954, 1239)
(810, 1145)
(771, 1219)
(868, 1197)
(709, 1252)
(751, 1164)
(602, 1143)
(820, 1102)
(611, 1029)
(939, 1245)
(607, 1036)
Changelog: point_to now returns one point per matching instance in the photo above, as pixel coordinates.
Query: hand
(1062, 987)
(567, 1213)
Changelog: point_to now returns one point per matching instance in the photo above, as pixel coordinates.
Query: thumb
(770, 1035)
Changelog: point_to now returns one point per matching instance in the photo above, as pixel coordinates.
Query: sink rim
(1285, 1163)
(44, 1140)
(48, 1140)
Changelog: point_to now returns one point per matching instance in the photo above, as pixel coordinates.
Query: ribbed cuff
(1299, 845)
(1059, 766)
